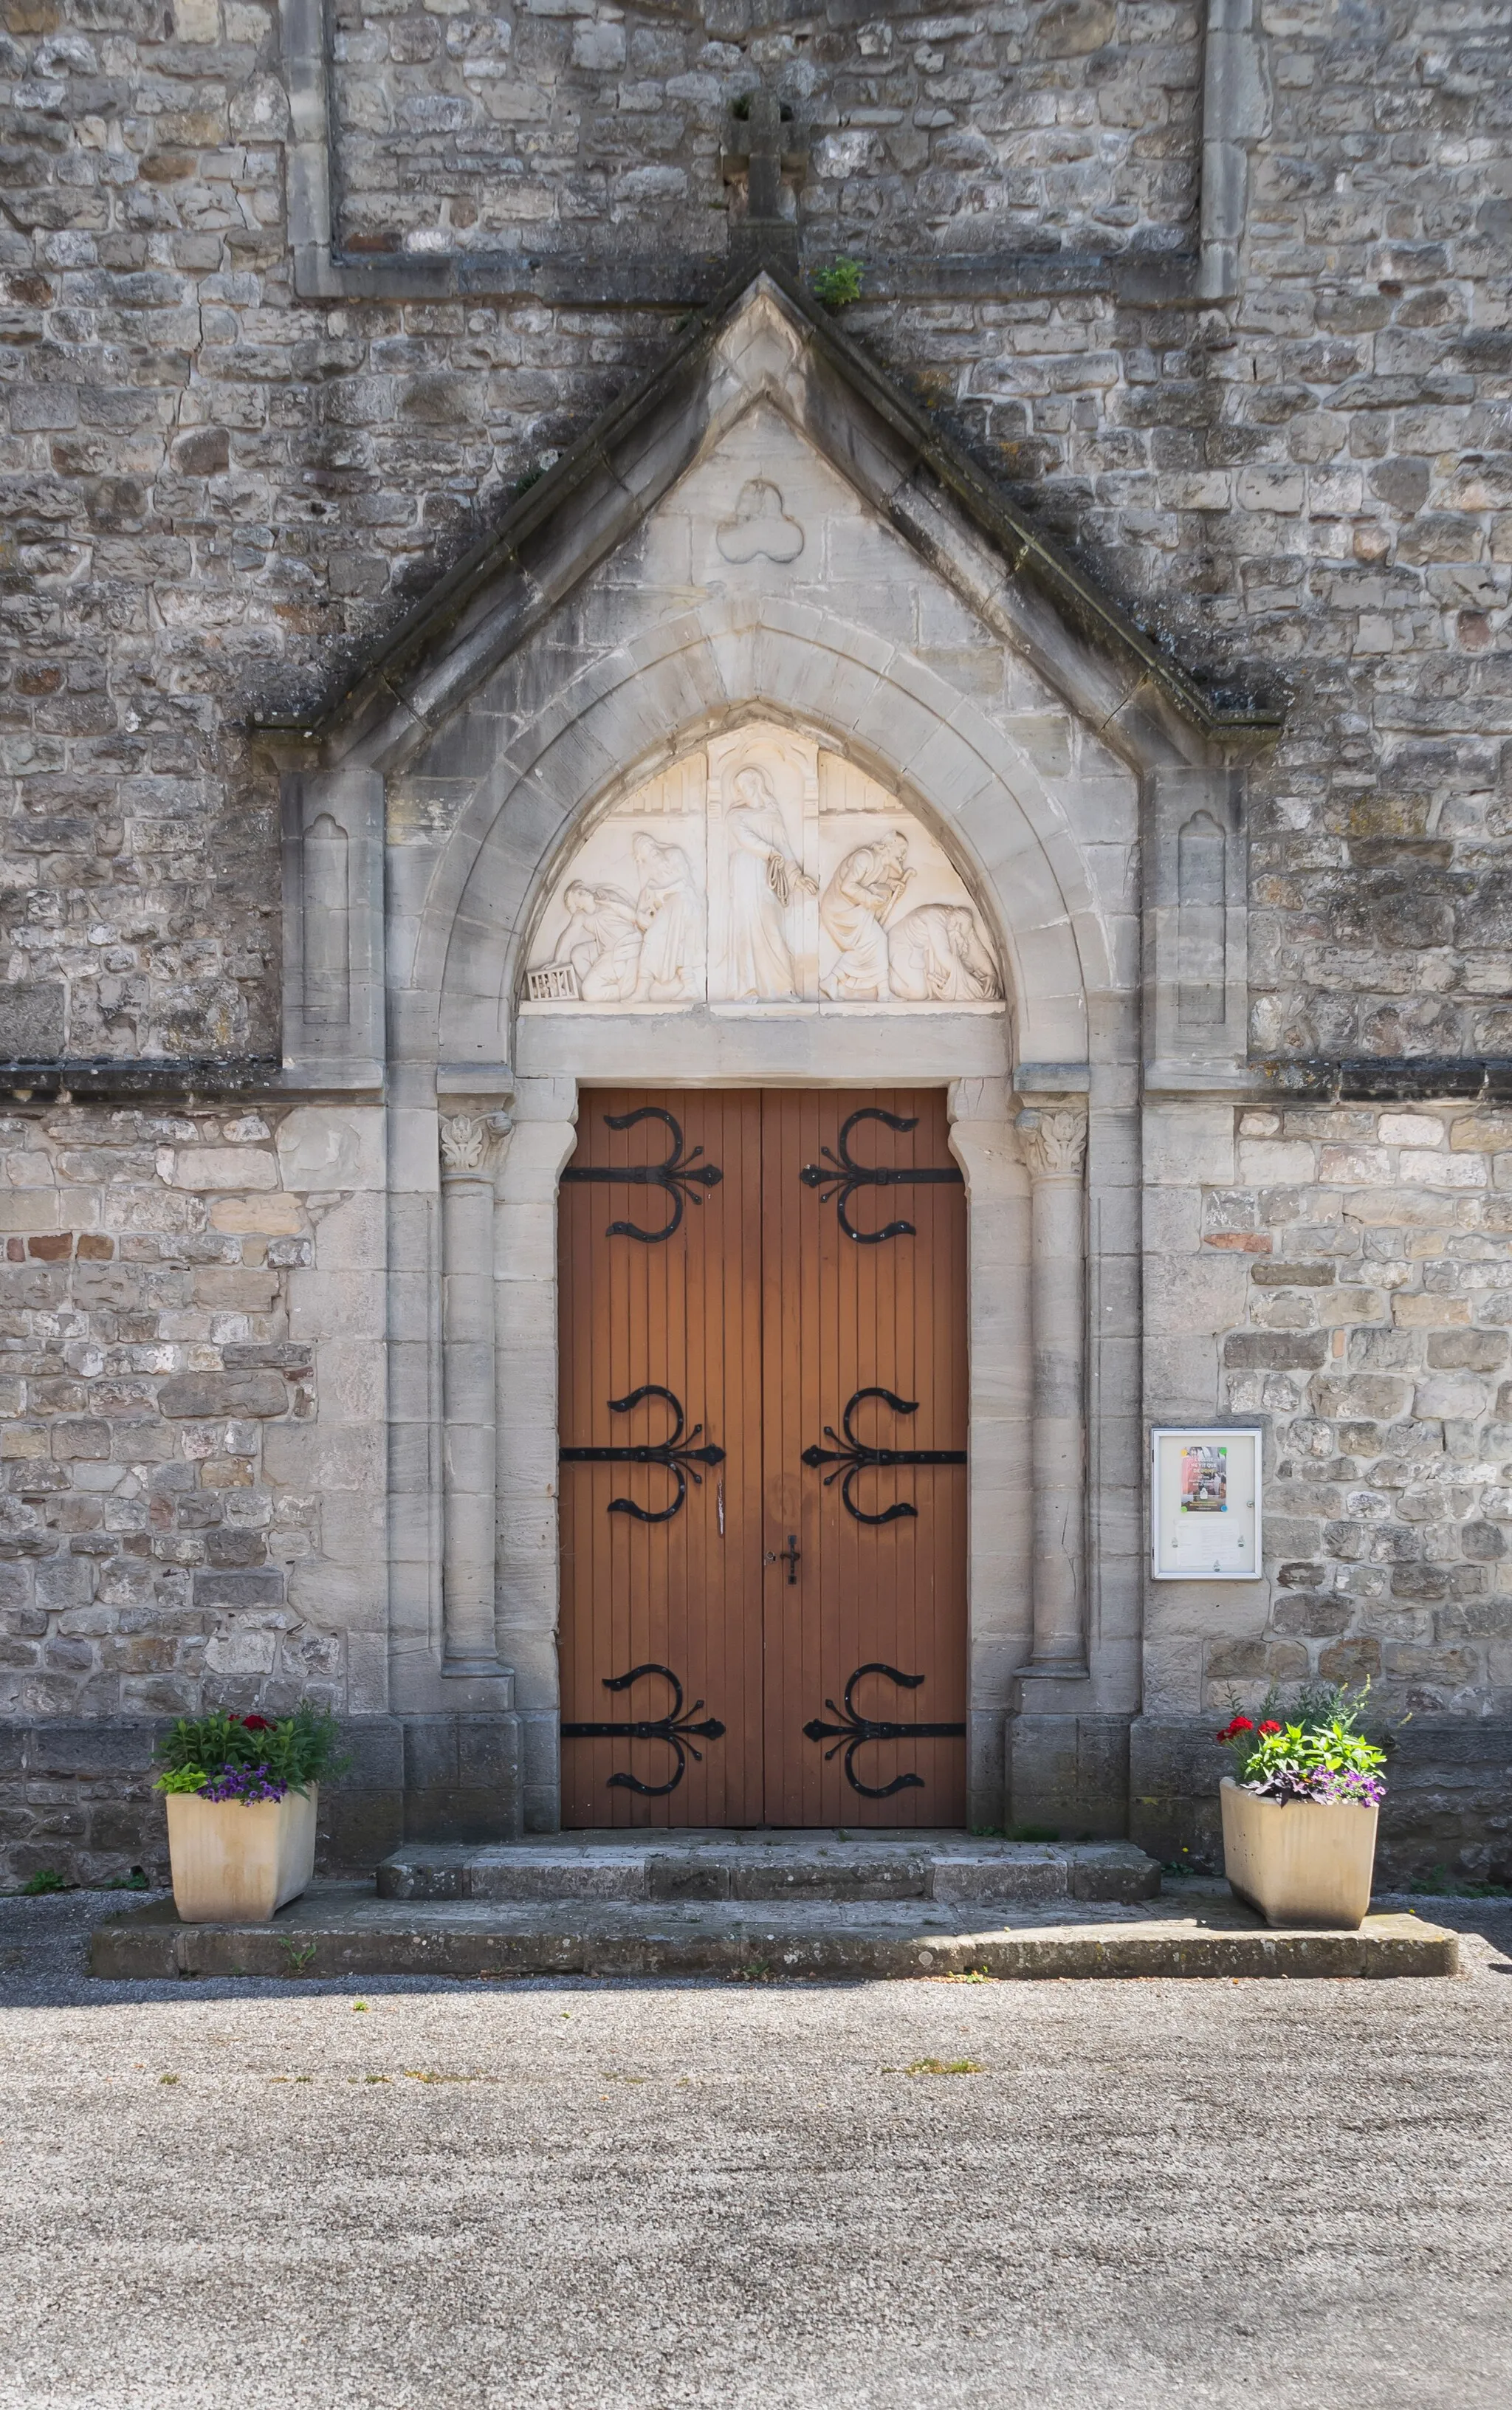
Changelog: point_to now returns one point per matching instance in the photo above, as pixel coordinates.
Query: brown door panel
(764, 1319)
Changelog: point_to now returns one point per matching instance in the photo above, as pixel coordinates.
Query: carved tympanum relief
(760, 873)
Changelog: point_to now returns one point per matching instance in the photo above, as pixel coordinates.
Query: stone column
(470, 1146)
(1054, 1149)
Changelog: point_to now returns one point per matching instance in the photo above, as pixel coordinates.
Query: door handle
(789, 1556)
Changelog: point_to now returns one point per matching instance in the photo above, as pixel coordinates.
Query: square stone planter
(231, 1860)
(1299, 1861)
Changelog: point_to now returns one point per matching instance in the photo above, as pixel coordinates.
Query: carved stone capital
(471, 1145)
(1055, 1139)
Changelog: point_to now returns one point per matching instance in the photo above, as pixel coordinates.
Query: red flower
(1269, 1728)
(261, 1723)
(1240, 1724)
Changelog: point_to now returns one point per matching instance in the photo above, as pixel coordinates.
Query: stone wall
(215, 493)
(559, 123)
(1342, 1276)
(178, 1529)
(213, 490)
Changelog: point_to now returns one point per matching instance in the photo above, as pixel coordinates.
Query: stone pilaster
(471, 1146)
(1053, 1139)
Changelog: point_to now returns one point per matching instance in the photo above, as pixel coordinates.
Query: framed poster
(1205, 1504)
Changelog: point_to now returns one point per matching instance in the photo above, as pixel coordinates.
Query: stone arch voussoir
(634, 710)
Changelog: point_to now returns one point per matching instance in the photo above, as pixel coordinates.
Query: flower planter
(1299, 1861)
(235, 1861)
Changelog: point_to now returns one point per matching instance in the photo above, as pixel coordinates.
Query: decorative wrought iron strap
(857, 1730)
(681, 1175)
(670, 1453)
(841, 1175)
(857, 1456)
(676, 1727)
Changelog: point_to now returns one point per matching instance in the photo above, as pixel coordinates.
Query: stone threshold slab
(762, 1867)
(336, 1930)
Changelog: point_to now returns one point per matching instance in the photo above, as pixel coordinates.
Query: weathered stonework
(1218, 298)
(180, 1531)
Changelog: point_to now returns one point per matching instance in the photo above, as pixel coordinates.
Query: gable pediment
(767, 350)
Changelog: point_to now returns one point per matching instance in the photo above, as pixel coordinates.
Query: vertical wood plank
(763, 1319)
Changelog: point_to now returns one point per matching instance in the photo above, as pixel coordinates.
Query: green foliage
(46, 1879)
(840, 283)
(1319, 1735)
(182, 1777)
(297, 1749)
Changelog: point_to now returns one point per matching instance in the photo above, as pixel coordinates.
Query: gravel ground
(581, 2196)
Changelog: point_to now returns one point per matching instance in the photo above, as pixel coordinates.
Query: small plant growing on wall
(840, 283)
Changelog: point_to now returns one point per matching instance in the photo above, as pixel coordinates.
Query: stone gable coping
(493, 598)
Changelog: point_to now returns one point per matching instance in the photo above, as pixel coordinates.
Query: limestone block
(1277, 1163)
(1187, 1143)
(329, 1305)
(218, 1167)
(310, 1459)
(1443, 1171)
(1196, 1293)
(1434, 1399)
(1173, 1666)
(272, 1216)
(1416, 1129)
(1181, 1379)
(350, 1377)
(353, 1236)
(1412, 1208)
(325, 1147)
(206, 1395)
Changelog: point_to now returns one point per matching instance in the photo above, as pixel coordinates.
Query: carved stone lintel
(1055, 1139)
(470, 1144)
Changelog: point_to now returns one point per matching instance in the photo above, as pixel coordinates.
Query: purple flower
(248, 1783)
(1331, 1786)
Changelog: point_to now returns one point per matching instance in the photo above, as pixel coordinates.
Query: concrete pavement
(577, 2195)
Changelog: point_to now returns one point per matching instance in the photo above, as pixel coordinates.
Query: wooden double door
(764, 1483)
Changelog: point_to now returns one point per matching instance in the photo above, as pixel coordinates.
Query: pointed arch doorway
(764, 1418)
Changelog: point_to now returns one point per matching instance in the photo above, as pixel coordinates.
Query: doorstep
(344, 1930)
(825, 1864)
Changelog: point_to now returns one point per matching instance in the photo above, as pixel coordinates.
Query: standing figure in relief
(765, 879)
(853, 913)
(937, 957)
(667, 911)
(602, 941)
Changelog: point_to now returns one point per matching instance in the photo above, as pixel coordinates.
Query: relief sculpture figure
(853, 913)
(668, 912)
(602, 941)
(937, 956)
(765, 879)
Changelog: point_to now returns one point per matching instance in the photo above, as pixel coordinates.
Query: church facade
(757, 1050)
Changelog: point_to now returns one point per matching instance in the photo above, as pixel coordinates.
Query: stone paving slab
(771, 1867)
(339, 1930)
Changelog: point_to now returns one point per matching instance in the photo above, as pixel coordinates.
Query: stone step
(340, 1930)
(766, 1867)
